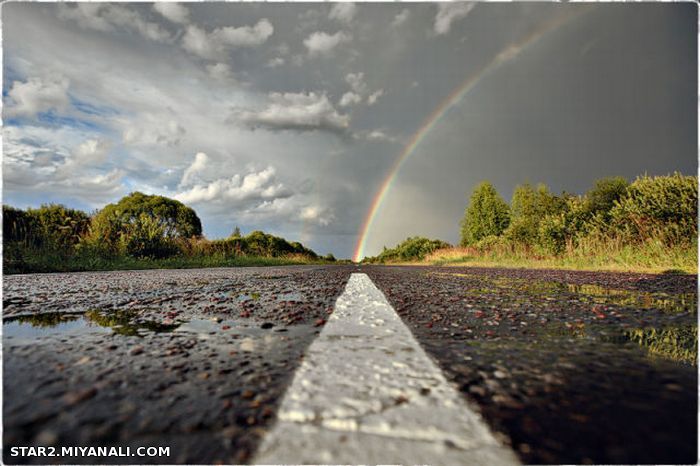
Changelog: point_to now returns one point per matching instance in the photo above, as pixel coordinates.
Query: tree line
(138, 226)
(661, 209)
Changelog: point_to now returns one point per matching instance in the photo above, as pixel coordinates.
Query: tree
(528, 208)
(140, 224)
(602, 197)
(236, 233)
(486, 215)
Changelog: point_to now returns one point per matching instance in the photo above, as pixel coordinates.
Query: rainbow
(506, 55)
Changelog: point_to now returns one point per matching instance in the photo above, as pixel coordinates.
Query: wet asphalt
(566, 367)
(196, 360)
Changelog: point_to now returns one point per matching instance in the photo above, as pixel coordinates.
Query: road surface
(240, 365)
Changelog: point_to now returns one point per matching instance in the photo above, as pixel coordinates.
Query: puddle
(44, 325)
(593, 294)
(93, 321)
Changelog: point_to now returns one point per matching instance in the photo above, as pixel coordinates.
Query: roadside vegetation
(138, 232)
(649, 225)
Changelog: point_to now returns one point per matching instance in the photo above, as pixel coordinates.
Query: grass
(46, 262)
(650, 257)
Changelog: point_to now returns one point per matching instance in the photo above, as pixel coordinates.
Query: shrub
(605, 193)
(415, 248)
(131, 225)
(664, 207)
(486, 215)
(529, 207)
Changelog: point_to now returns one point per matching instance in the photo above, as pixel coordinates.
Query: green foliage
(650, 224)
(143, 226)
(529, 207)
(412, 249)
(674, 343)
(137, 232)
(664, 207)
(487, 215)
(259, 243)
(603, 196)
(329, 257)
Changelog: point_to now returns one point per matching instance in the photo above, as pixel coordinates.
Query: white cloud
(359, 91)
(378, 135)
(449, 12)
(58, 161)
(297, 112)
(275, 62)
(91, 152)
(37, 95)
(401, 17)
(356, 82)
(110, 17)
(256, 186)
(198, 164)
(349, 98)
(215, 44)
(321, 43)
(153, 129)
(220, 71)
(175, 12)
(372, 99)
(343, 12)
(317, 214)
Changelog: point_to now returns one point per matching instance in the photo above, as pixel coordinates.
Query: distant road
(564, 367)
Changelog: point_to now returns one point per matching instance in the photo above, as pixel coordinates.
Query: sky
(293, 117)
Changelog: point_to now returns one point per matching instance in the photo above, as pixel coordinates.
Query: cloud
(321, 43)
(41, 159)
(343, 12)
(449, 12)
(37, 95)
(175, 12)
(106, 17)
(401, 17)
(356, 82)
(378, 136)
(275, 62)
(255, 186)
(297, 112)
(359, 91)
(372, 99)
(349, 98)
(215, 44)
(153, 129)
(90, 153)
(220, 71)
(317, 214)
(198, 164)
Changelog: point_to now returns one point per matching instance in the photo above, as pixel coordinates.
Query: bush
(487, 215)
(664, 207)
(415, 248)
(143, 226)
(602, 197)
(529, 207)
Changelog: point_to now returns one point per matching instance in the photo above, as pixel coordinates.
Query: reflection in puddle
(43, 325)
(595, 294)
(678, 344)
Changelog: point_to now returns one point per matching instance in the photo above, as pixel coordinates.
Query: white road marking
(366, 392)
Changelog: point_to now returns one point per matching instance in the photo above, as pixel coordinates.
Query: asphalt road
(565, 367)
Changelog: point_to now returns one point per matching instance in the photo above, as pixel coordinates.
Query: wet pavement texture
(196, 360)
(566, 367)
